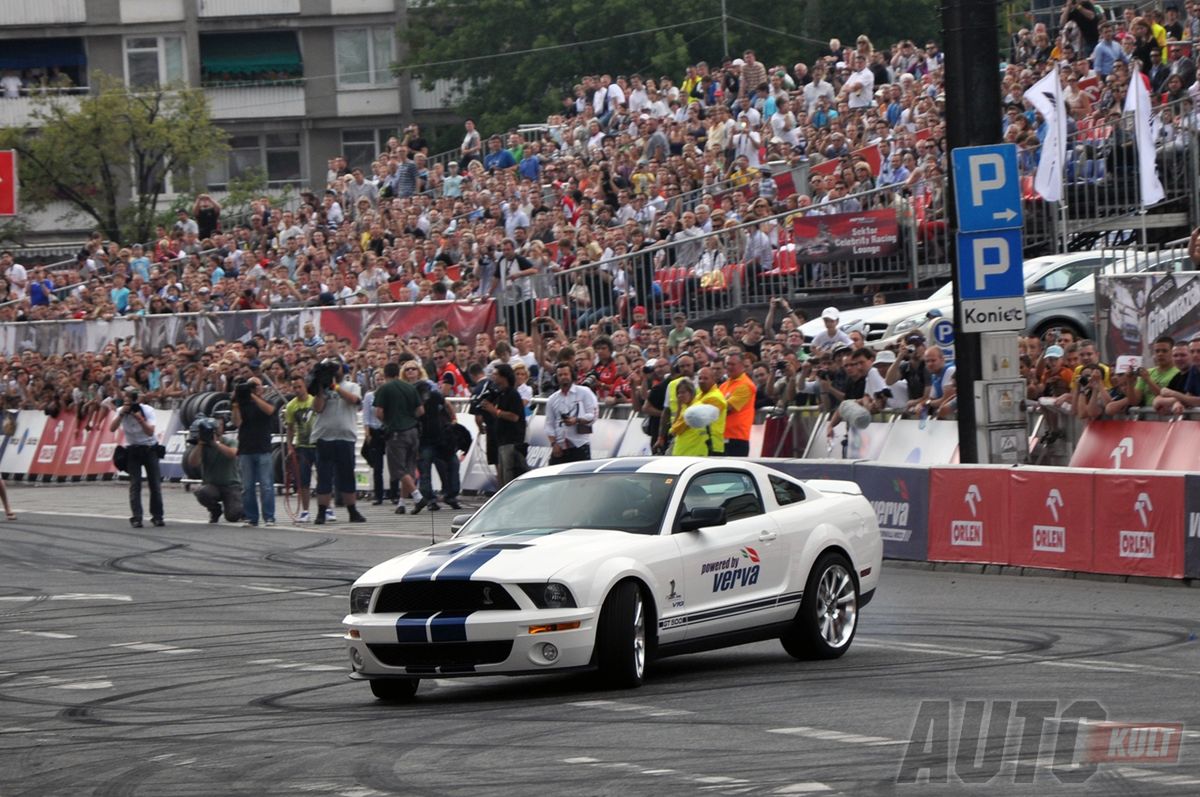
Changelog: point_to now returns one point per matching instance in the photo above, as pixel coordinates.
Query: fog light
(356, 659)
(549, 652)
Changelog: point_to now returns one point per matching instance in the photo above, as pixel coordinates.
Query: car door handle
(767, 536)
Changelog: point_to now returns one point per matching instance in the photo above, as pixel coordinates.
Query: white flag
(1137, 102)
(1047, 99)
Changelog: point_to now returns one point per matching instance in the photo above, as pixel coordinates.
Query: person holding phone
(570, 413)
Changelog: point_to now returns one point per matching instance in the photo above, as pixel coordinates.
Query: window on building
(364, 57)
(361, 146)
(277, 155)
(153, 60)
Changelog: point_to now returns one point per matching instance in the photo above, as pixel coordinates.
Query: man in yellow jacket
(709, 441)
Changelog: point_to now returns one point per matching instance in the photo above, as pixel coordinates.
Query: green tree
(482, 44)
(109, 154)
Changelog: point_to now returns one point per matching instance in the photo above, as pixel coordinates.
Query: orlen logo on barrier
(1134, 742)
(893, 515)
(968, 533)
(1139, 544)
(1051, 539)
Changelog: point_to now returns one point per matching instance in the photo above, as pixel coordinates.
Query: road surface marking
(70, 596)
(836, 736)
(154, 647)
(634, 708)
(44, 634)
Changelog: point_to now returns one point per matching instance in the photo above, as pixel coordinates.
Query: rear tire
(395, 690)
(621, 637)
(828, 617)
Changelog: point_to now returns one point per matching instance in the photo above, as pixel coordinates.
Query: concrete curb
(968, 568)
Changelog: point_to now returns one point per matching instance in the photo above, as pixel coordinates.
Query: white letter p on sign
(997, 248)
(978, 184)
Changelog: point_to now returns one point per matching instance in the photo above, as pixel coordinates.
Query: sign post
(990, 286)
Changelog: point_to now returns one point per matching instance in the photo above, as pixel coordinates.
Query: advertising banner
(57, 437)
(847, 444)
(18, 452)
(845, 236)
(1133, 309)
(1051, 518)
(1121, 445)
(1139, 524)
(968, 514)
(1192, 542)
(1182, 451)
(813, 468)
(900, 498)
(152, 332)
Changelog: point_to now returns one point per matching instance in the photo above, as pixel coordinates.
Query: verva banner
(900, 498)
(1051, 513)
(1192, 541)
(1139, 522)
(968, 515)
(845, 236)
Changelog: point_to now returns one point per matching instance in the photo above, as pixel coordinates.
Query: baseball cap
(738, 62)
(255, 364)
(914, 338)
(1054, 351)
(831, 313)
(642, 310)
(885, 357)
(652, 363)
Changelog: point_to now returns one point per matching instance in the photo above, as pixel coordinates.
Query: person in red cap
(640, 324)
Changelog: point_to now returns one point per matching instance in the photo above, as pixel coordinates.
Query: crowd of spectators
(626, 164)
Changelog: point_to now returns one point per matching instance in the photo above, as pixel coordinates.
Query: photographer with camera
(143, 451)
(909, 367)
(254, 417)
(503, 413)
(336, 398)
(217, 458)
(570, 412)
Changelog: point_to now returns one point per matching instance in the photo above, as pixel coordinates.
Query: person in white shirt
(11, 84)
(570, 413)
(860, 87)
(746, 142)
(137, 421)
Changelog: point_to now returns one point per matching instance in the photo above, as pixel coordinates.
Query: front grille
(443, 596)
(442, 654)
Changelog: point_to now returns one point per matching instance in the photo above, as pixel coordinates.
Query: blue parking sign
(987, 188)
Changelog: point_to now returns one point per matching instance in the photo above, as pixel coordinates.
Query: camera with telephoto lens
(202, 430)
(1084, 379)
(324, 375)
(823, 373)
(489, 392)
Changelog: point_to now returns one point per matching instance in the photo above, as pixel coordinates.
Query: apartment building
(293, 82)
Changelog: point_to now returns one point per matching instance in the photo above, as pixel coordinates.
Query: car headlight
(360, 600)
(910, 323)
(549, 596)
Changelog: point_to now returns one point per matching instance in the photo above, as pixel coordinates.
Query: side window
(786, 492)
(733, 490)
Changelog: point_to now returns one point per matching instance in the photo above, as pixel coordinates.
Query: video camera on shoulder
(243, 389)
(324, 375)
(489, 392)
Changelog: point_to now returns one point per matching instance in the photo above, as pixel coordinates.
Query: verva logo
(1137, 544)
(1050, 539)
(1194, 525)
(967, 533)
(1133, 742)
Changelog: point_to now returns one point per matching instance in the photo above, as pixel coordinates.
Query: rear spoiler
(835, 486)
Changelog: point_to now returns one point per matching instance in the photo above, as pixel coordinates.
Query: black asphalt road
(207, 660)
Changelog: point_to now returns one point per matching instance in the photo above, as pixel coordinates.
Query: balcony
(362, 6)
(444, 94)
(18, 111)
(246, 8)
(268, 101)
(135, 11)
(42, 12)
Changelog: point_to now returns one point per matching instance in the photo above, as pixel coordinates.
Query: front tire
(395, 690)
(621, 637)
(828, 617)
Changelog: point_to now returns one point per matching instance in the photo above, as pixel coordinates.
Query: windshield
(632, 502)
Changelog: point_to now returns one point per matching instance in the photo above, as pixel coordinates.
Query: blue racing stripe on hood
(464, 567)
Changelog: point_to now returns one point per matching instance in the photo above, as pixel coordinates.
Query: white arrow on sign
(1008, 214)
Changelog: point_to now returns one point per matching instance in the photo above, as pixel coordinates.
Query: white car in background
(889, 323)
(611, 564)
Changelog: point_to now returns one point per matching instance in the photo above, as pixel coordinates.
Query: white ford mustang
(611, 564)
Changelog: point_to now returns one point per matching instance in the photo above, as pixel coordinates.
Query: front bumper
(423, 644)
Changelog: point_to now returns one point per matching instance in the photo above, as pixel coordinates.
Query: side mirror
(702, 517)
(458, 522)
